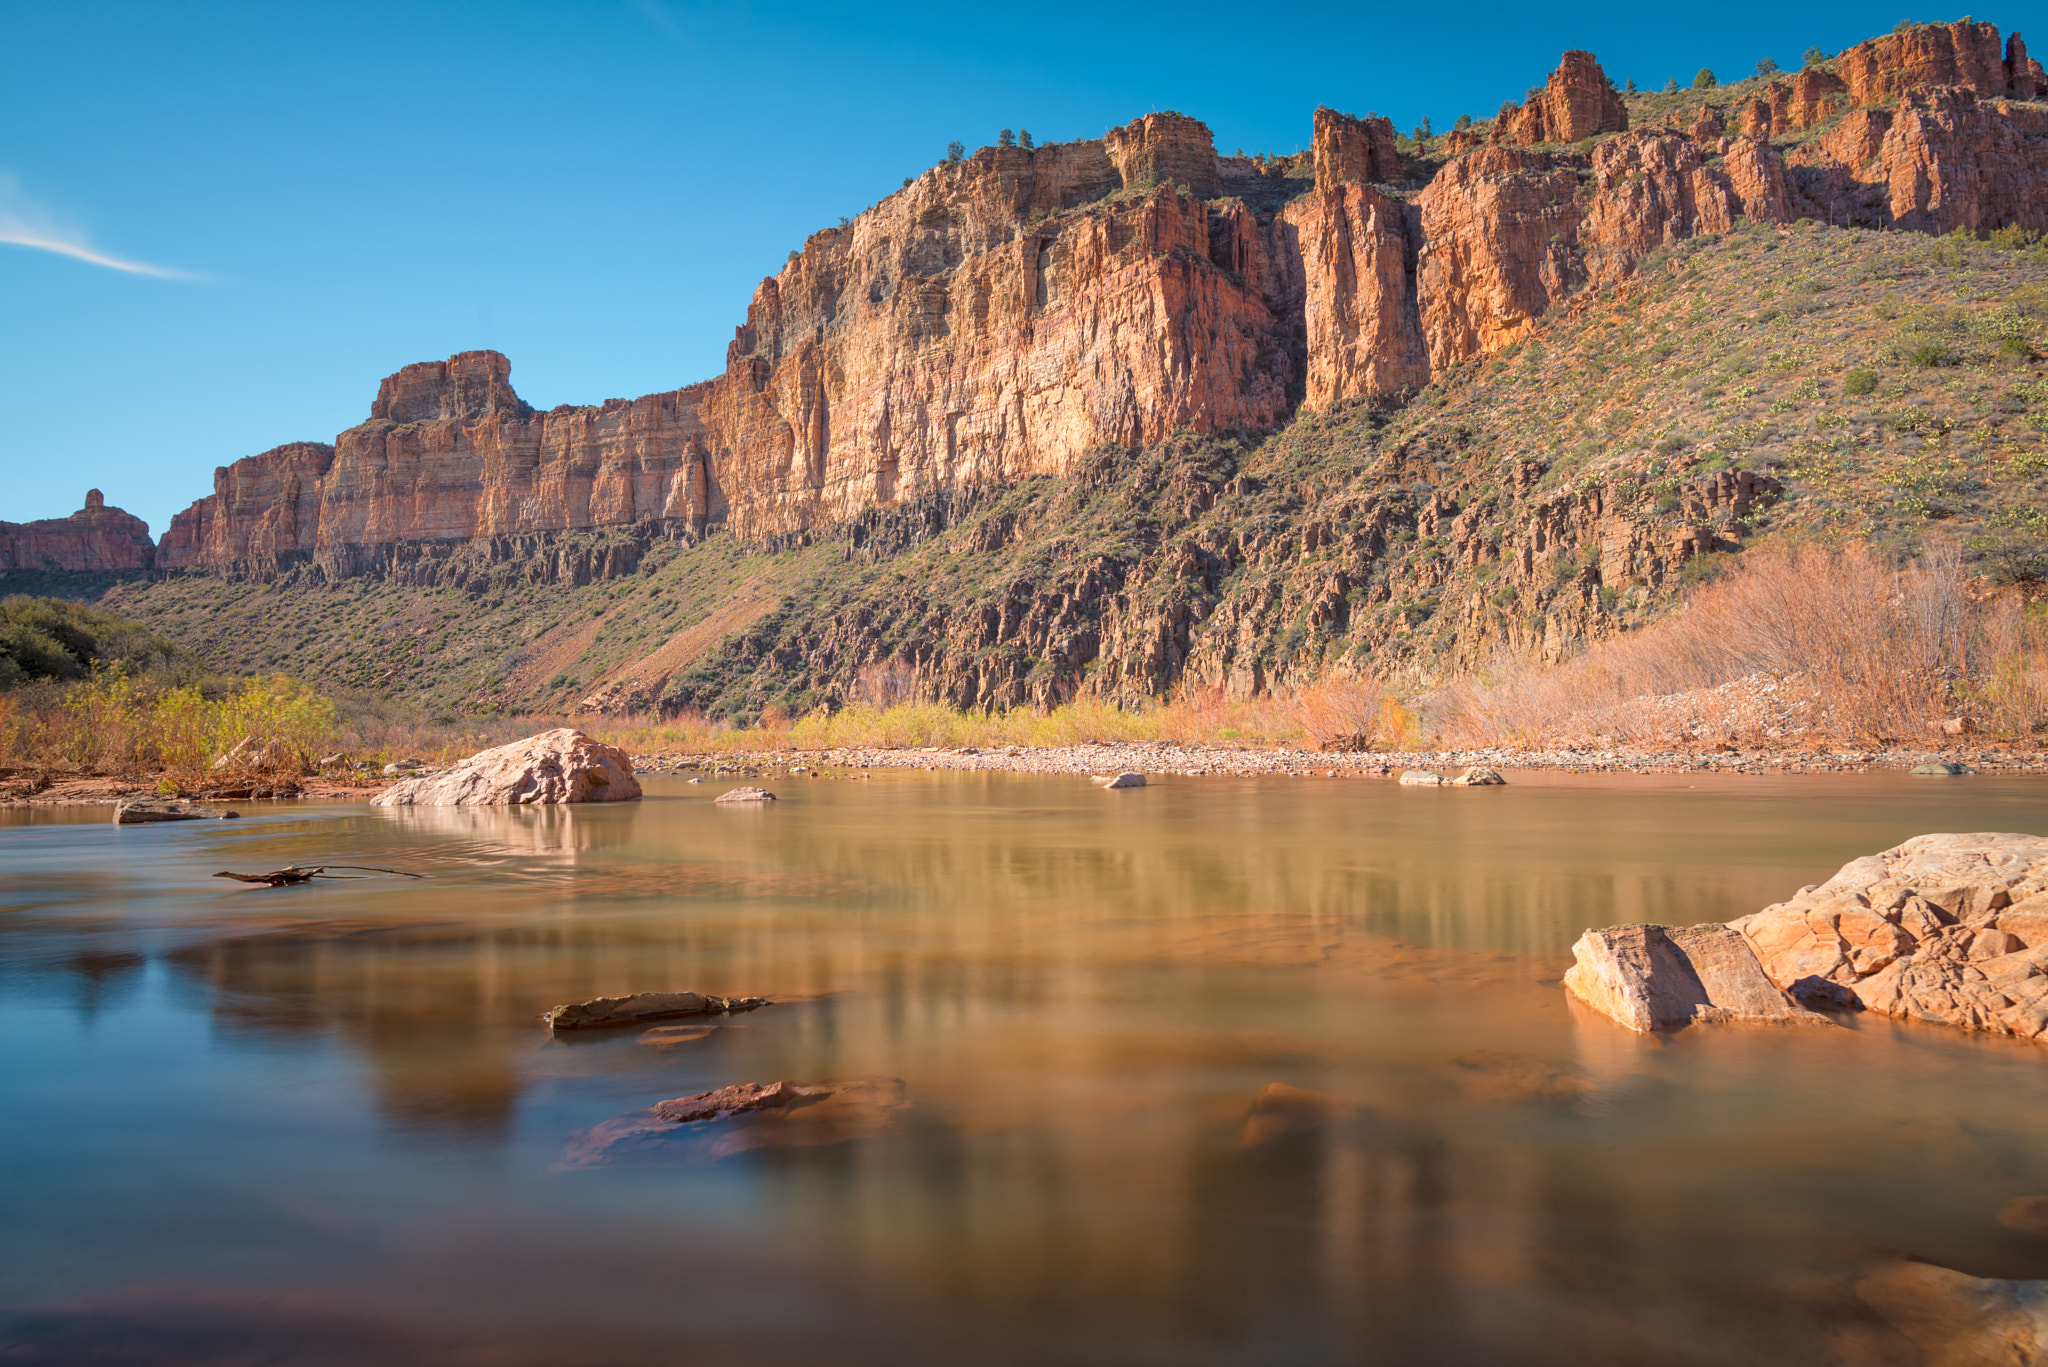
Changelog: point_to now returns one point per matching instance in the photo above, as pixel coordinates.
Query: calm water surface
(320, 1125)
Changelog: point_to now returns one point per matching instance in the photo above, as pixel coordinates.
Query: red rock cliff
(1005, 313)
(94, 538)
(1577, 102)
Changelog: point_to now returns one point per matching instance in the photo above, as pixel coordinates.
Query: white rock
(554, 767)
(1126, 779)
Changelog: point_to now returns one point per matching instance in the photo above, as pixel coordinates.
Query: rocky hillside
(1766, 381)
(1124, 411)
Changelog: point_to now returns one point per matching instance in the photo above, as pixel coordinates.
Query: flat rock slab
(1423, 778)
(742, 795)
(139, 811)
(749, 1115)
(1666, 977)
(644, 1006)
(1947, 928)
(736, 1100)
(1941, 769)
(1123, 780)
(558, 766)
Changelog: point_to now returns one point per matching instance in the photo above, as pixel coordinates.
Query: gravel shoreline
(1164, 758)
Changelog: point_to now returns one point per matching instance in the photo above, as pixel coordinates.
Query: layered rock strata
(1009, 312)
(94, 539)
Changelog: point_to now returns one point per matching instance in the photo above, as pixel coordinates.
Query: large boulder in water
(1665, 977)
(553, 767)
(1944, 928)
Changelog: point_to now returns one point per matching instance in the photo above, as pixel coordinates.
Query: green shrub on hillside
(1860, 382)
(49, 638)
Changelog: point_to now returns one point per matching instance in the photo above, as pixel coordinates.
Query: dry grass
(1343, 711)
(1875, 654)
(127, 723)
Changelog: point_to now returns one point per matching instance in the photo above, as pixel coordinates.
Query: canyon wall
(1009, 312)
(95, 539)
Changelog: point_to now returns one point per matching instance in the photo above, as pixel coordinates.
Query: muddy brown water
(1215, 1071)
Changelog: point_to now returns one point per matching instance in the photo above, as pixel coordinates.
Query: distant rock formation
(95, 538)
(1009, 312)
(1577, 102)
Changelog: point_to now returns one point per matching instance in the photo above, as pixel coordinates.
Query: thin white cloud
(24, 223)
(655, 13)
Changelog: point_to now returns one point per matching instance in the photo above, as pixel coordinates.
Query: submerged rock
(2027, 1214)
(736, 1100)
(553, 767)
(1941, 768)
(138, 811)
(749, 1115)
(644, 1006)
(1944, 928)
(1956, 1319)
(1126, 779)
(1666, 977)
(740, 795)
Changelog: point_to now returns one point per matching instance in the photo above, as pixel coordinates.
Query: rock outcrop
(1577, 102)
(94, 539)
(553, 767)
(1349, 150)
(1668, 977)
(1921, 56)
(1945, 928)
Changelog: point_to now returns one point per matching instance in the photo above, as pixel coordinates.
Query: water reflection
(1206, 1072)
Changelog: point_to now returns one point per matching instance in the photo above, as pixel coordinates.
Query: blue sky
(223, 224)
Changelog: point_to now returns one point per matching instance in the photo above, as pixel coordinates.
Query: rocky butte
(94, 539)
(1012, 310)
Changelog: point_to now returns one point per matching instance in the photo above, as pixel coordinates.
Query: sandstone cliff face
(1347, 149)
(93, 539)
(1006, 314)
(1918, 56)
(1577, 102)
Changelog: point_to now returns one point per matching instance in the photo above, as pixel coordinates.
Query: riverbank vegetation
(1789, 646)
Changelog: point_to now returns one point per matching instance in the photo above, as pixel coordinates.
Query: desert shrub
(2015, 351)
(53, 638)
(1341, 709)
(123, 720)
(1860, 382)
(1871, 652)
(1929, 355)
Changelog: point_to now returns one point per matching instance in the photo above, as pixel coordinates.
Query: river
(1218, 1071)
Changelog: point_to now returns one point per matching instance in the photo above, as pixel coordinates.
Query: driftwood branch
(292, 873)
